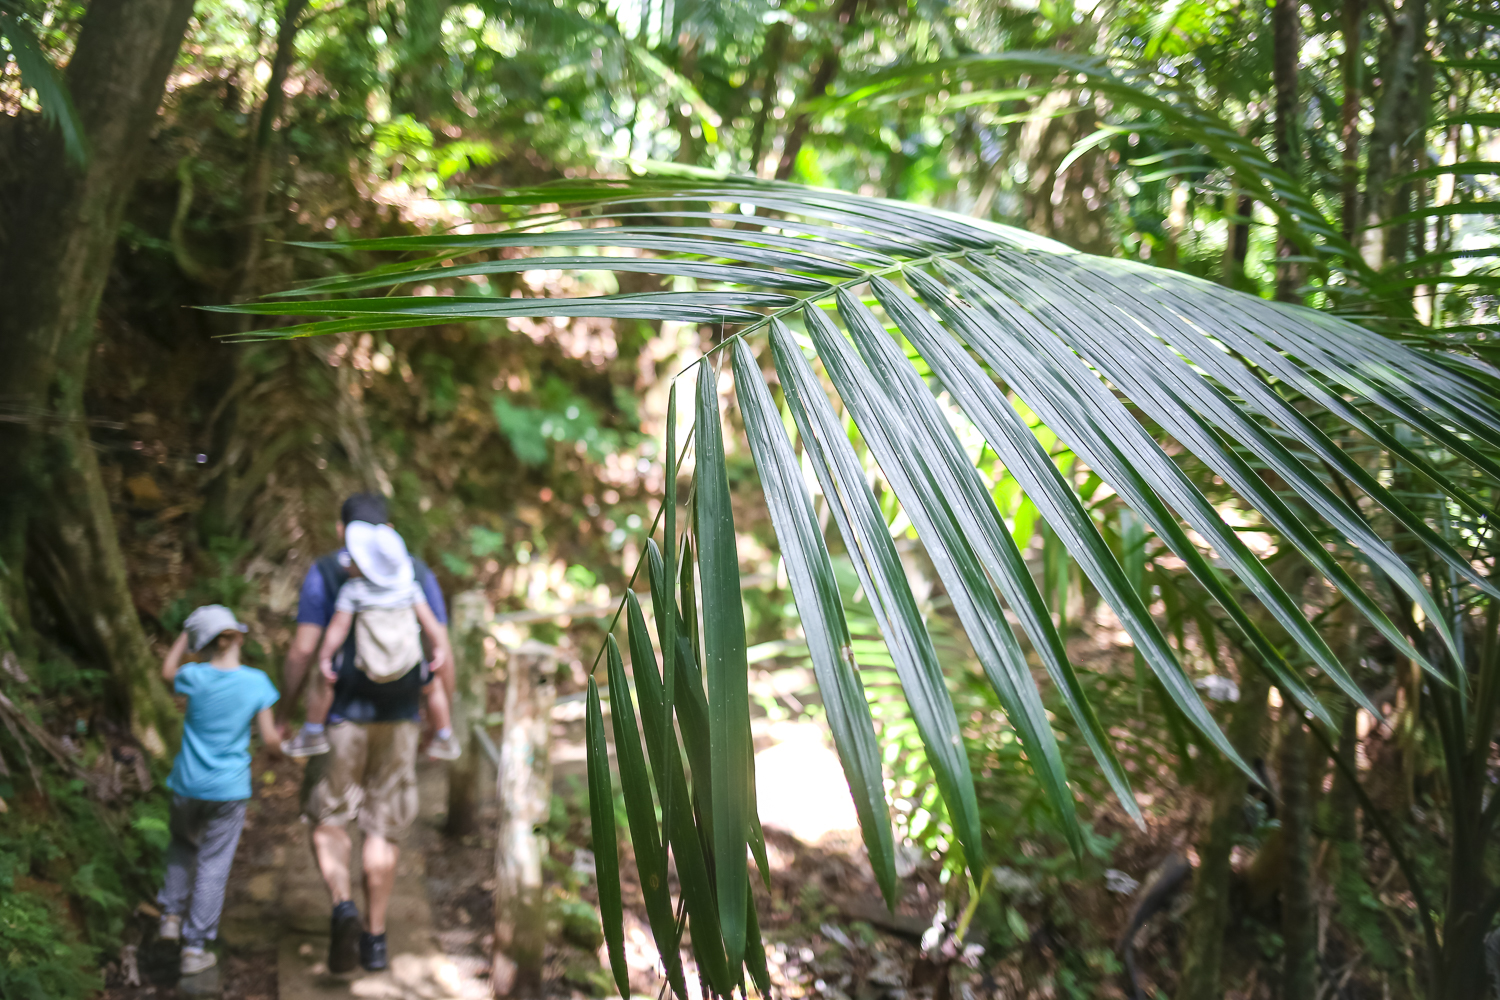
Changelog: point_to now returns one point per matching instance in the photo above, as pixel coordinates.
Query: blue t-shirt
(356, 698)
(214, 762)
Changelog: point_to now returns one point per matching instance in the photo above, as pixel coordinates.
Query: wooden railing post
(467, 631)
(523, 788)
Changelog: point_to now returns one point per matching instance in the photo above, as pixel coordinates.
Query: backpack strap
(334, 575)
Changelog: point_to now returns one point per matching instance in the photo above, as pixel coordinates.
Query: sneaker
(372, 952)
(305, 744)
(346, 932)
(170, 928)
(196, 960)
(444, 748)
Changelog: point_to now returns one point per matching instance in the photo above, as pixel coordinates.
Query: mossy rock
(580, 925)
(588, 977)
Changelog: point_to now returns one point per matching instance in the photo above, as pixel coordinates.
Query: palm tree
(915, 319)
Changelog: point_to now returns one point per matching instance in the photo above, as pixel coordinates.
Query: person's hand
(325, 667)
(441, 657)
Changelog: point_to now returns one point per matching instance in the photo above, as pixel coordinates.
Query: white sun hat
(379, 552)
(208, 623)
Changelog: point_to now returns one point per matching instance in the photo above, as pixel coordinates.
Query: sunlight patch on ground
(800, 785)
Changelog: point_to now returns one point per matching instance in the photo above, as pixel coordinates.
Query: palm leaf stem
(635, 574)
(831, 291)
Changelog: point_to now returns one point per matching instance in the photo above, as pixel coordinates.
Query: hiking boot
(444, 748)
(346, 933)
(305, 744)
(372, 952)
(170, 928)
(196, 960)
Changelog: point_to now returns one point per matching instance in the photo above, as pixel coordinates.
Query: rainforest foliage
(1180, 551)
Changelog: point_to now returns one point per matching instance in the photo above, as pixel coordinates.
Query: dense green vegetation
(1014, 507)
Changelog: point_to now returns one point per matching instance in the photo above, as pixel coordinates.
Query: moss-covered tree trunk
(1299, 919)
(58, 223)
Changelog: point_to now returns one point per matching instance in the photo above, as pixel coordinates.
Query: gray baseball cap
(209, 622)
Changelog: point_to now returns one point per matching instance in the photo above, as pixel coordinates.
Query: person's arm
(436, 634)
(314, 607)
(333, 638)
(299, 657)
(270, 732)
(173, 661)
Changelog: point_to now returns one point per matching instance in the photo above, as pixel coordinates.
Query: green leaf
(725, 273)
(880, 571)
(696, 886)
(640, 811)
(691, 705)
(666, 623)
(997, 337)
(1147, 479)
(755, 953)
(38, 73)
(606, 850)
(1188, 392)
(815, 589)
(731, 755)
(1467, 168)
(976, 394)
(952, 512)
(724, 244)
(451, 307)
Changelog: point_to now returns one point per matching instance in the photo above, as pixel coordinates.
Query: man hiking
(322, 589)
(368, 773)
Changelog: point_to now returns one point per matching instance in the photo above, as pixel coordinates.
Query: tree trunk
(1237, 246)
(524, 791)
(1208, 920)
(1472, 897)
(57, 238)
(775, 52)
(219, 515)
(1354, 18)
(1286, 36)
(1399, 78)
(1065, 206)
(1299, 919)
(470, 613)
(828, 68)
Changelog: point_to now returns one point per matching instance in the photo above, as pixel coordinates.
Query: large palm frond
(915, 319)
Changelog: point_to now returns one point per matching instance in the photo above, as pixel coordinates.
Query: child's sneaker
(444, 747)
(305, 744)
(196, 960)
(170, 928)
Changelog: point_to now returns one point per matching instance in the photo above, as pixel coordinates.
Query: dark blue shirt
(356, 698)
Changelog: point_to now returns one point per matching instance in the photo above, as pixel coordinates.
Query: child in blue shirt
(210, 779)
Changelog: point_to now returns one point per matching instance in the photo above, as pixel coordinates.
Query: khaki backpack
(387, 643)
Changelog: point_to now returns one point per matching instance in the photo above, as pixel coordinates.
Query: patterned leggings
(204, 836)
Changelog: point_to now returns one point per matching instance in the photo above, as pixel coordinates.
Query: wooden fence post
(524, 790)
(471, 613)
